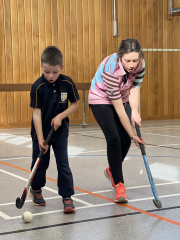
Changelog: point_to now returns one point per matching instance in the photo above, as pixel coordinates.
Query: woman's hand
(135, 117)
(137, 141)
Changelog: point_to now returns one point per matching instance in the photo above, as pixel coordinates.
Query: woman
(113, 99)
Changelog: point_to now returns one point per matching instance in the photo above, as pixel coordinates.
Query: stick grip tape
(139, 135)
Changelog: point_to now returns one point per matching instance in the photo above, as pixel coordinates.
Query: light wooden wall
(83, 30)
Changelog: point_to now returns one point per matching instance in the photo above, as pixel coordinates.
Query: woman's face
(130, 61)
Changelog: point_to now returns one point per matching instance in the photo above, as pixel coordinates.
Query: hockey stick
(20, 201)
(156, 201)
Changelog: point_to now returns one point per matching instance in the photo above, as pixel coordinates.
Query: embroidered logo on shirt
(63, 97)
(112, 92)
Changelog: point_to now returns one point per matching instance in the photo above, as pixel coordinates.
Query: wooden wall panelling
(87, 30)
(22, 60)
(178, 64)
(15, 57)
(115, 40)
(136, 19)
(150, 59)
(28, 41)
(3, 96)
(120, 25)
(144, 87)
(165, 62)
(86, 45)
(140, 22)
(155, 59)
(131, 19)
(86, 40)
(8, 41)
(35, 39)
(42, 29)
(170, 42)
(3, 109)
(160, 76)
(2, 45)
(48, 24)
(9, 59)
(67, 54)
(26, 111)
(83, 30)
(175, 67)
(42, 41)
(126, 8)
(54, 17)
(109, 26)
(61, 27)
(142, 42)
(97, 33)
(92, 54)
(73, 31)
(103, 29)
(80, 57)
(74, 63)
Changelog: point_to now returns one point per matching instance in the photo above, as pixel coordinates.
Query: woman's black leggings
(118, 140)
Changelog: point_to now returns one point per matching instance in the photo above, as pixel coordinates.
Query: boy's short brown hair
(52, 56)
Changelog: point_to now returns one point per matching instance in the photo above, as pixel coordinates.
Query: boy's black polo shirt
(52, 99)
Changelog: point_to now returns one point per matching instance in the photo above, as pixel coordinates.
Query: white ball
(27, 217)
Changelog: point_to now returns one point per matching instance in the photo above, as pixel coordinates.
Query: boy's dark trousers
(65, 178)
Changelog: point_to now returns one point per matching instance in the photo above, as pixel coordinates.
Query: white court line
(159, 146)
(94, 206)
(46, 188)
(163, 127)
(88, 152)
(8, 159)
(97, 133)
(18, 140)
(5, 216)
(75, 153)
(50, 198)
(155, 128)
(154, 134)
(103, 191)
(94, 131)
(142, 128)
(5, 136)
(87, 134)
(133, 200)
(56, 211)
(132, 148)
(81, 201)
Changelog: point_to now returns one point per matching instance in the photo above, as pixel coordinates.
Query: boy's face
(51, 73)
(130, 61)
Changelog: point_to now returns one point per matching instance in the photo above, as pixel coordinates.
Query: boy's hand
(42, 145)
(57, 121)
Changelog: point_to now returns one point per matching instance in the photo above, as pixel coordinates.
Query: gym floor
(96, 216)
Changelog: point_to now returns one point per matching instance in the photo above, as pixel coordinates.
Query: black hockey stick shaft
(20, 201)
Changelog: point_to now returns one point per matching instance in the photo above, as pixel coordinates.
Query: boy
(49, 99)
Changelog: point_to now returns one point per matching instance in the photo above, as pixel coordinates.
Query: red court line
(107, 199)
